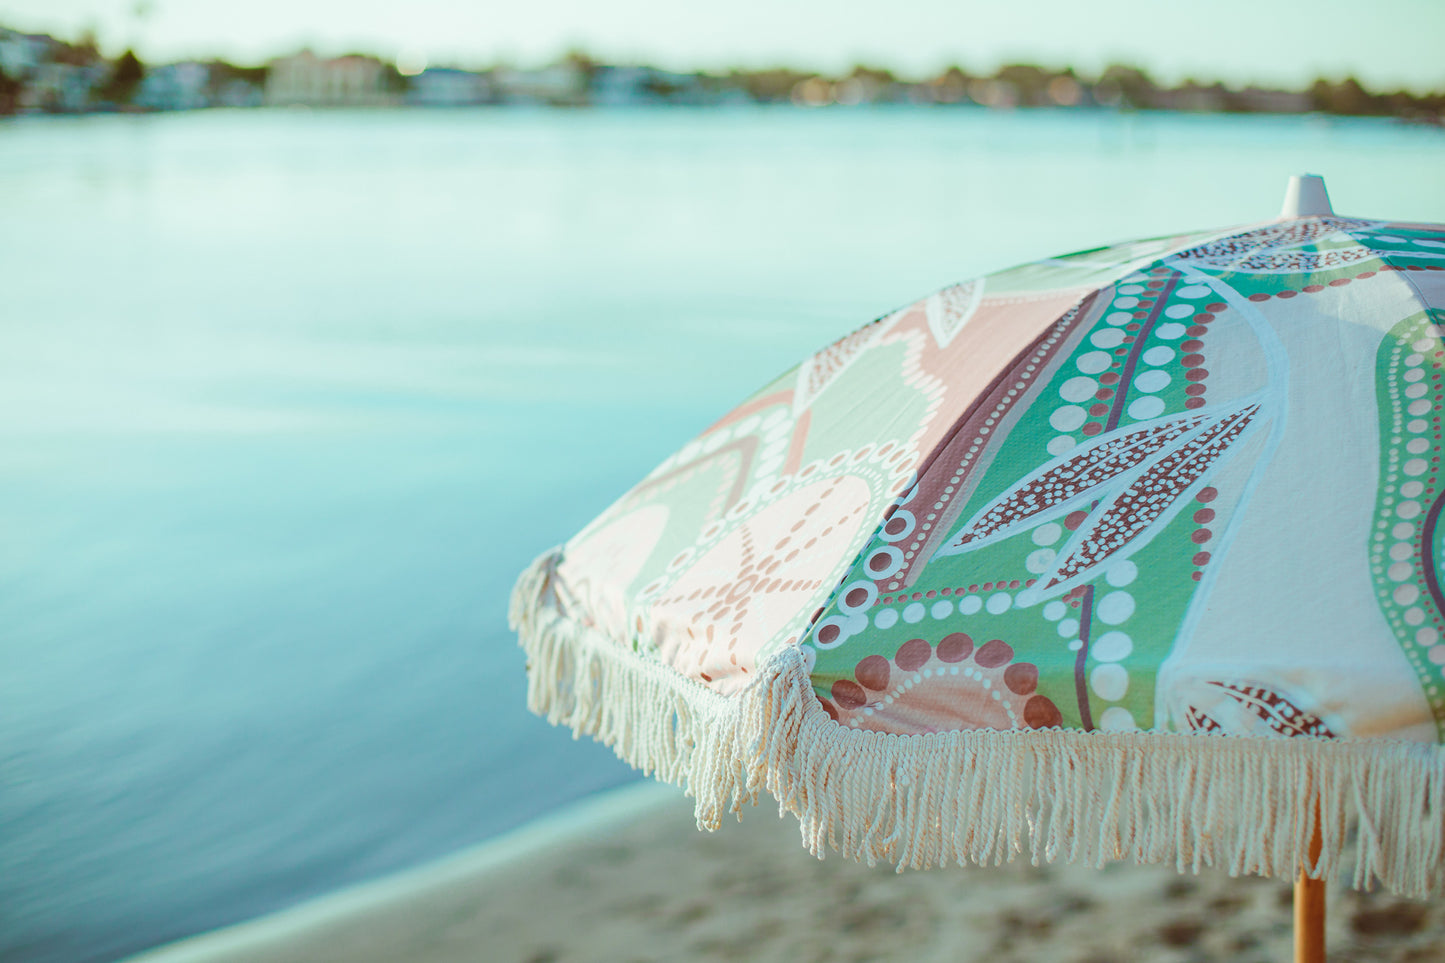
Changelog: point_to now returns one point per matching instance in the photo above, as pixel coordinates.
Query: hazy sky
(1388, 44)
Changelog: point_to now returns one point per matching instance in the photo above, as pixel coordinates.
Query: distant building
(560, 85)
(61, 88)
(1269, 101)
(22, 54)
(637, 86)
(305, 79)
(180, 86)
(449, 87)
(666, 86)
(1193, 97)
(238, 93)
(620, 86)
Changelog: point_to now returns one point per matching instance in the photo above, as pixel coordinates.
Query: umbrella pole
(1309, 911)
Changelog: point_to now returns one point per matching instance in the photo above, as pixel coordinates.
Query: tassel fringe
(1247, 805)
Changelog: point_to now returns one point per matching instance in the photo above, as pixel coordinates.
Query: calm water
(288, 399)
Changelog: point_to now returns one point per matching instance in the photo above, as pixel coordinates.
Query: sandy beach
(627, 876)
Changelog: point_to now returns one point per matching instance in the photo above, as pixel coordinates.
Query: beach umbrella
(1129, 554)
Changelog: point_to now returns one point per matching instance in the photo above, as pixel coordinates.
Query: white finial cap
(1306, 197)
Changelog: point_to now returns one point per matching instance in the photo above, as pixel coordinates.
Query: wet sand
(628, 877)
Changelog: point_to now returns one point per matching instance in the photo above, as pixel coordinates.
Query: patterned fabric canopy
(1133, 553)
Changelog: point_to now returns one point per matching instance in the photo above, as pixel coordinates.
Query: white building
(305, 79)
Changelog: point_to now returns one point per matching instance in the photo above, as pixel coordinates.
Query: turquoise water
(287, 399)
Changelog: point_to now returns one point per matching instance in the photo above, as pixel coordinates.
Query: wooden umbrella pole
(1309, 909)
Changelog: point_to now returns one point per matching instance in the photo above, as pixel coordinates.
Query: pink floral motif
(600, 566)
(736, 596)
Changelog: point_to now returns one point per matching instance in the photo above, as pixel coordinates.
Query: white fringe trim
(1244, 804)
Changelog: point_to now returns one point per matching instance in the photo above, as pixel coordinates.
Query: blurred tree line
(42, 73)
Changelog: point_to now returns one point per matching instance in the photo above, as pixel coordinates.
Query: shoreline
(624, 875)
(596, 813)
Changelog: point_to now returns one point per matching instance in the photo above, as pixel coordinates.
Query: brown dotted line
(960, 591)
(1193, 358)
(1141, 314)
(1287, 293)
(1203, 517)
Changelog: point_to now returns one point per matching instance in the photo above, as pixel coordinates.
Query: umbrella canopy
(1127, 554)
